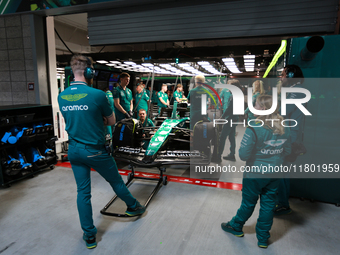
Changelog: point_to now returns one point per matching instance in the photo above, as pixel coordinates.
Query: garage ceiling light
(249, 62)
(130, 63)
(248, 56)
(230, 64)
(147, 64)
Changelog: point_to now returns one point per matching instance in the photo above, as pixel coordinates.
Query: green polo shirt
(143, 99)
(164, 96)
(83, 109)
(110, 98)
(195, 97)
(148, 123)
(125, 97)
(154, 98)
(178, 94)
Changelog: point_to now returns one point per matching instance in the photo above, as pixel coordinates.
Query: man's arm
(118, 106)
(131, 105)
(162, 101)
(247, 145)
(177, 98)
(110, 120)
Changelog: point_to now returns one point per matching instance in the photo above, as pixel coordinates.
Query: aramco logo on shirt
(73, 98)
(74, 108)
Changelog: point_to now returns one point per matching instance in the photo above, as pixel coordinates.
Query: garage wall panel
(245, 18)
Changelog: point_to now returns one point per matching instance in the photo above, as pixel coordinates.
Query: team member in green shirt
(123, 98)
(178, 94)
(263, 145)
(154, 95)
(111, 102)
(163, 100)
(195, 98)
(86, 111)
(141, 99)
(146, 122)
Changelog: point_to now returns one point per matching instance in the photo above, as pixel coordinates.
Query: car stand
(162, 180)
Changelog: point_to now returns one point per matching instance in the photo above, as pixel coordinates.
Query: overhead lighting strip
(249, 62)
(207, 66)
(231, 65)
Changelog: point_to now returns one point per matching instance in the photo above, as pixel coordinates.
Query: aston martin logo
(74, 97)
(275, 143)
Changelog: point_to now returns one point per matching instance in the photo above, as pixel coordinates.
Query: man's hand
(127, 115)
(131, 113)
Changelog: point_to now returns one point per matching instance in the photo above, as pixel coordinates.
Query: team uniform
(111, 102)
(125, 97)
(147, 123)
(165, 98)
(260, 147)
(154, 98)
(178, 94)
(143, 99)
(83, 109)
(195, 97)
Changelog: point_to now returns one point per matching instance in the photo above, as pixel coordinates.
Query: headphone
(89, 71)
(290, 71)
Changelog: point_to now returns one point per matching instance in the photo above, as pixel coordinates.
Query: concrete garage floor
(39, 216)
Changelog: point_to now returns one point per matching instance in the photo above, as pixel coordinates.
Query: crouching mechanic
(146, 122)
(262, 146)
(86, 110)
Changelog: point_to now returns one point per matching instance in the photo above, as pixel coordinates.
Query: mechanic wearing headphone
(292, 76)
(122, 97)
(86, 110)
(263, 145)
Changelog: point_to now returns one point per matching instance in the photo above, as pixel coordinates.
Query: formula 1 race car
(170, 142)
